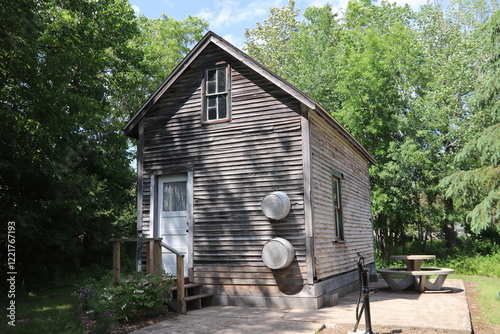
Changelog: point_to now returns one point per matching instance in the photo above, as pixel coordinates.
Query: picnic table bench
(414, 274)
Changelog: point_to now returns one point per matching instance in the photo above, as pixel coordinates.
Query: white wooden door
(173, 219)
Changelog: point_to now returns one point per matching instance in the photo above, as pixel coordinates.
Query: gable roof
(131, 128)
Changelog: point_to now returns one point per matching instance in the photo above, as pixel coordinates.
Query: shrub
(135, 296)
(85, 294)
(477, 265)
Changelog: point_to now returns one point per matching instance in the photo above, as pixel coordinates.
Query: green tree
(486, 97)
(160, 45)
(65, 173)
(475, 186)
(314, 47)
(72, 71)
(445, 113)
(274, 34)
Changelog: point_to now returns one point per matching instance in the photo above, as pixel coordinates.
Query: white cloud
(136, 9)
(206, 14)
(223, 14)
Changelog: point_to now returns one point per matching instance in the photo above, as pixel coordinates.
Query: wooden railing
(153, 264)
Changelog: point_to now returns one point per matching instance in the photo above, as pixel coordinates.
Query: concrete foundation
(315, 296)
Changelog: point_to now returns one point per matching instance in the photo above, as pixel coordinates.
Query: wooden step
(187, 286)
(198, 301)
(200, 296)
(193, 297)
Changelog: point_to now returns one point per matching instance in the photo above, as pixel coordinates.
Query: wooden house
(265, 193)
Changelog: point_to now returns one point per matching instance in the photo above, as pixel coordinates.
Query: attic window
(216, 94)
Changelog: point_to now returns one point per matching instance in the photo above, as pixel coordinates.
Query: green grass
(48, 312)
(477, 265)
(488, 290)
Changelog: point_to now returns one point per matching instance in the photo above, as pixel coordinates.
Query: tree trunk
(423, 245)
(450, 234)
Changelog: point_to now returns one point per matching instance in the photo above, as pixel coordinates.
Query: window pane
(336, 221)
(212, 101)
(174, 196)
(222, 106)
(338, 226)
(212, 113)
(221, 80)
(335, 193)
(211, 87)
(341, 226)
(211, 75)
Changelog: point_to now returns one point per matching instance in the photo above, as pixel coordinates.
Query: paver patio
(446, 310)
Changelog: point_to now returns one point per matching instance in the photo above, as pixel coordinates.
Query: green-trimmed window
(216, 94)
(337, 205)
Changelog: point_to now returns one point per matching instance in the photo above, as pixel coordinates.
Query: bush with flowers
(85, 294)
(135, 296)
(92, 301)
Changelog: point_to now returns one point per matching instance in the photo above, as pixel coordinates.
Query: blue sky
(229, 18)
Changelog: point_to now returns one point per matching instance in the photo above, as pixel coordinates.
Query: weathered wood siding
(235, 164)
(332, 152)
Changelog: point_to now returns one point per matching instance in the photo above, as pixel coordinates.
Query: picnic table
(413, 262)
(414, 274)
